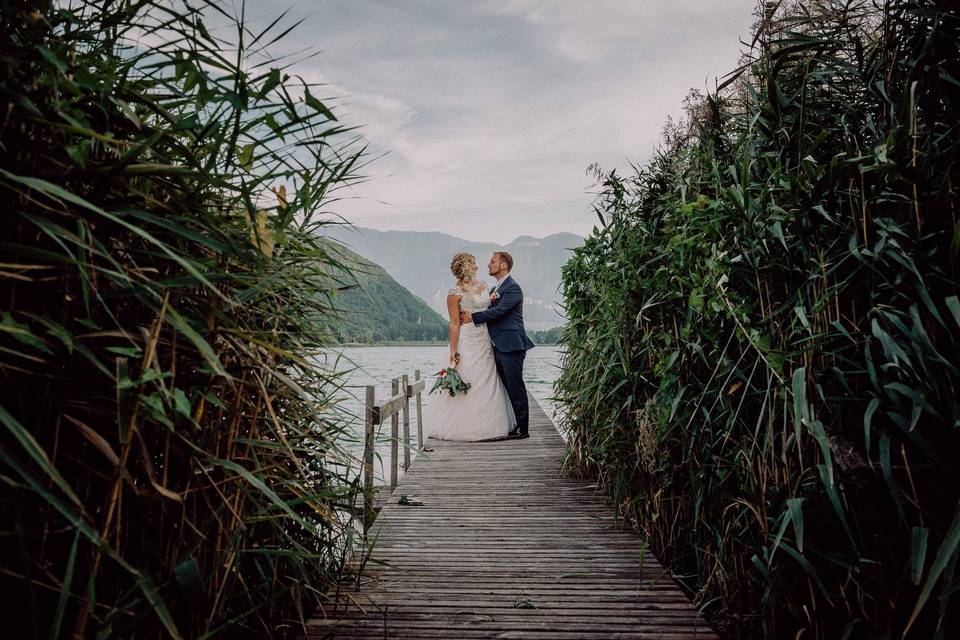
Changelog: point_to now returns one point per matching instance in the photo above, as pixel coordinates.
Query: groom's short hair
(505, 257)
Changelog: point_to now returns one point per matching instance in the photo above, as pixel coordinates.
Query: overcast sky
(487, 114)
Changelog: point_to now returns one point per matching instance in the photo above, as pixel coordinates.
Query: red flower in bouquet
(449, 380)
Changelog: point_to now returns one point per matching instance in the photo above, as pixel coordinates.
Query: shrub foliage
(167, 433)
(764, 330)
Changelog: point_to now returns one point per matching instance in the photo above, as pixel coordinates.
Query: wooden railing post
(394, 437)
(406, 422)
(368, 447)
(416, 377)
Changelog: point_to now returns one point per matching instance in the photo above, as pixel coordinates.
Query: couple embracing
(487, 346)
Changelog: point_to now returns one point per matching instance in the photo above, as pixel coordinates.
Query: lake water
(377, 365)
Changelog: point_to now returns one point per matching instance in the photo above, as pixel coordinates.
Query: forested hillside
(375, 308)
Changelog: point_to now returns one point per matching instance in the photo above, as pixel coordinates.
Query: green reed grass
(168, 445)
(764, 330)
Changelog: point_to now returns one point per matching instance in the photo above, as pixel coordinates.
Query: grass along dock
(506, 546)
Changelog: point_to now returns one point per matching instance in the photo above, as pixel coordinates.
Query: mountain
(379, 309)
(419, 260)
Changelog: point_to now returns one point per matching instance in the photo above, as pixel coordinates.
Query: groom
(504, 321)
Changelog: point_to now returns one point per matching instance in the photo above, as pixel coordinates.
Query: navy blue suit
(504, 320)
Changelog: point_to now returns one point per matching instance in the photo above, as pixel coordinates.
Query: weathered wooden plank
(471, 634)
(388, 407)
(679, 608)
(368, 453)
(417, 387)
(516, 623)
(419, 397)
(406, 422)
(395, 433)
(505, 546)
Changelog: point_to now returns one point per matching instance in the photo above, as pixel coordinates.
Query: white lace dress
(483, 412)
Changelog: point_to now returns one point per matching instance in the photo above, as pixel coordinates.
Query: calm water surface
(377, 365)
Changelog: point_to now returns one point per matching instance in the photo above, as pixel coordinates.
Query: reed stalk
(169, 444)
(761, 361)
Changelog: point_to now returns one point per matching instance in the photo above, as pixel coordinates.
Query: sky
(482, 117)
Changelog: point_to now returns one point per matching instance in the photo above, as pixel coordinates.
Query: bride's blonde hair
(463, 266)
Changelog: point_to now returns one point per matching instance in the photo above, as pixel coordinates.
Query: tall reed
(168, 427)
(764, 330)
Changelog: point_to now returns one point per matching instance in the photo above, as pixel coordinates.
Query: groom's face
(494, 266)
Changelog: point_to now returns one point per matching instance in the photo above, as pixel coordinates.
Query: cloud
(485, 115)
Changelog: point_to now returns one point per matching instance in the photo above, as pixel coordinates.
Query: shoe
(523, 436)
(514, 435)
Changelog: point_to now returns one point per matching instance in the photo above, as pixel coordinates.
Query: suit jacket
(504, 319)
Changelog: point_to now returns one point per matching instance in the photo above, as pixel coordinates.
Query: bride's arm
(509, 298)
(453, 330)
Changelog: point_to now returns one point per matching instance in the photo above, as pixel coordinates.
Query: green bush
(168, 441)
(763, 343)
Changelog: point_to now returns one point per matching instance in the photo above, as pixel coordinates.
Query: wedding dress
(484, 412)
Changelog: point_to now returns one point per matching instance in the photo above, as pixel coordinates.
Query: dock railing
(397, 406)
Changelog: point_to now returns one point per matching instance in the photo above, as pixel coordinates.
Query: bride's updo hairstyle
(463, 266)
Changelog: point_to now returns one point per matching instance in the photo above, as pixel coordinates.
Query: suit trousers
(510, 370)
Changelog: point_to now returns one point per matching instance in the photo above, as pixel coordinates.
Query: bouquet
(449, 379)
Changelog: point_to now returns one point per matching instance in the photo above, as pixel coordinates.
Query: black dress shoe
(523, 435)
(513, 435)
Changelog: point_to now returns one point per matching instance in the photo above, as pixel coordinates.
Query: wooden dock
(506, 546)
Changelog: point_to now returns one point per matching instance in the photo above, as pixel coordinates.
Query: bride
(484, 412)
